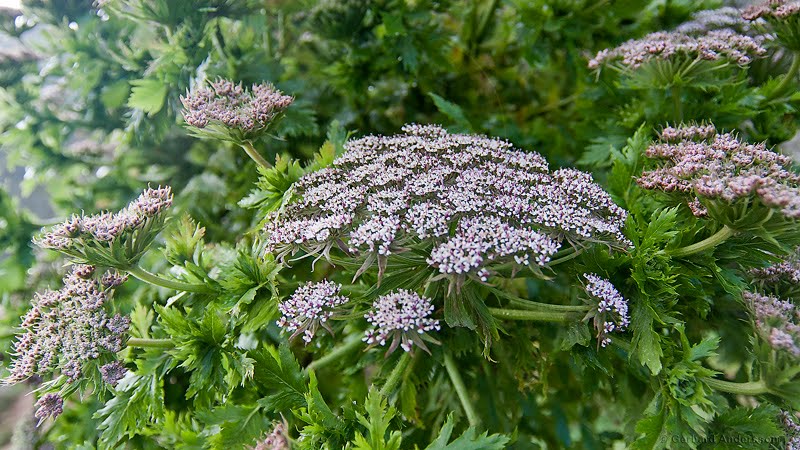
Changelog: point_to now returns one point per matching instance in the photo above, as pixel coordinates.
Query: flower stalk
(337, 353)
(396, 375)
(461, 390)
(787, 79)
(731, 387)
(150, 343)
(710, 242)
(536, 316)
(254, 155)
(156, 280)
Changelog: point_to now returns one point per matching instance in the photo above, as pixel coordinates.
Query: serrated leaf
(469, 440)
(453, 112)
(148, 95)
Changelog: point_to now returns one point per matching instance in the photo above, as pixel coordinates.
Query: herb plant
(384, 225)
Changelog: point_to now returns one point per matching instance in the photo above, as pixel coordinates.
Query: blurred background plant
(90, 112)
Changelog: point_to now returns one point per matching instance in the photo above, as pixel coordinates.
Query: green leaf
(148, 95)
(646, 342)
(469, 440)
(453, 112)
(377, 419)
(277, 372)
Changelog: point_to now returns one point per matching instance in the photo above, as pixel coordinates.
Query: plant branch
(150, 343)
(253, 153)
(537, 316)
(787, 79)
(396, 375)
(461, 390)
(336, 354)
(710, 242)
(156, 280)
(731, 387)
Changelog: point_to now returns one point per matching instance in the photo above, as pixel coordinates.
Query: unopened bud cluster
(49, 406)
(66, 329)
(400, 318)
(777, 320)
(310, 307)
(470, 201)
(698, 161)
(718, 45)
(277, 439)
(104, 228)
(229, 106)
(611, 310)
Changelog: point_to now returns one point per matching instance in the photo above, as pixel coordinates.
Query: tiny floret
(310, 307)
(400, 318)
(277, 439)
(610, 311)
(113, 372)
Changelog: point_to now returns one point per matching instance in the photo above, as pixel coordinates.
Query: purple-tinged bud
(277, 439)
(113, 372)
(50, 405)
(776, 321)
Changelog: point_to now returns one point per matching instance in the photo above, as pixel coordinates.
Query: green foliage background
(93, 114)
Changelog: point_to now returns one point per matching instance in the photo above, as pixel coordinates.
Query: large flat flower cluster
(224, 103)
(66, 329)
(777, 321)
(108, 227)
(718, 45)
(471, 201)
(696, 160)
(310, 307)
(772, 9)
(611, 310)
(400, 318)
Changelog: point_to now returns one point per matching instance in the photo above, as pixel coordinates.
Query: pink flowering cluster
(611, 311)
(787, 271)
(310, 307)
(107, 227)
(65, 329)
(470, 201)
(790, 424)
(400, 318)
(698, 161)
(777, 321)
(230, 105)
(717, 45)
(772, 9)
(277, 439)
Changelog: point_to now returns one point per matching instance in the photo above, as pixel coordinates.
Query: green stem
(156, 280)
(676, 103)
(787, 79)
(336, 354)
(537, 306)
(150, 343)
(712, 241)
(461, 390)
(748, 388)
(253, 153)
(538, 316)
(396, 375)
